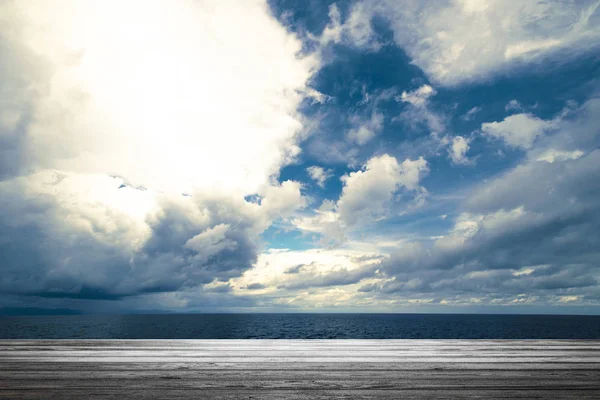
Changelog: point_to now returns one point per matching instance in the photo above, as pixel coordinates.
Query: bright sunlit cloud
(171, 96)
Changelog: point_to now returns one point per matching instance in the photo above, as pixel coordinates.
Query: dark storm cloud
(42, 255)
(174, 228)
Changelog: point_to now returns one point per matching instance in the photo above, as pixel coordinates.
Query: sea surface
(301, 326)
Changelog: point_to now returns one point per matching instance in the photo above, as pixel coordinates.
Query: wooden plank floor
(299, 369)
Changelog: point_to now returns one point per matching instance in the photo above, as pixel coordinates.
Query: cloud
(108, 117)
(418, 111)
(458, 150)
(142, 164)
(365, 130)
(463, 41)
(356, 30)
(417, 97)
(518, 130)
(317, 96)
(211, 241)
(333, 138)
(282, 200)
(67, 235)
(319, 174)
(574, 132)
(324, 221)
(367, 197)
(469, 115)
(78, 112)
(552, 155)
(333, 150)
(568, 299)
(562, 137)
(281, 277)
(513, 105)
(338, 277)
(333, 30)
(294, 270)
(532, 229)
(367, 192)
(255, 286)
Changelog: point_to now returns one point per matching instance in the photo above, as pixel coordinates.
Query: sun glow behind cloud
(171, 96)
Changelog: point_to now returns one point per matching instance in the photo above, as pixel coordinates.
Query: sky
(300, 156)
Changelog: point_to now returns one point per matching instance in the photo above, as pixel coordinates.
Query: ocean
(301, 326)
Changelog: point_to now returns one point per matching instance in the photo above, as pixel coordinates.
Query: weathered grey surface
(299, 369)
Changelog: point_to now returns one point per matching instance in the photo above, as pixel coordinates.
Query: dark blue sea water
(302, 326)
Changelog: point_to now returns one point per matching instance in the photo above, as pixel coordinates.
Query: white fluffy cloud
(418, 97)
(282, 200)
(458, 150)
(159, 94)
(319, 174)
(519, 130)
(469, 40)
(368, 192)
(368, 196)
